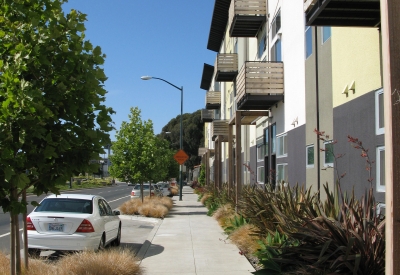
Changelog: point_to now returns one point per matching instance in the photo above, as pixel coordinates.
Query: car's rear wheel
(117, 240)
(102, 244)
(33, 252)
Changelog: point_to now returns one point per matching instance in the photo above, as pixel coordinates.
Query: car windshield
(65, 205)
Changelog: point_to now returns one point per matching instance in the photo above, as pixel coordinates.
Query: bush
(156, 207)
(110, 262)
(246, 239)
(106, 262)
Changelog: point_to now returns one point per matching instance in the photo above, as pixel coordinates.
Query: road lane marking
(1, 236)
(119, 199)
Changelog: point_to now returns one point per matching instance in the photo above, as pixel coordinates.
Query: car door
(106, 218)
(114, 220)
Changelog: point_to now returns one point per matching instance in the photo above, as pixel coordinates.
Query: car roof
(73, 196)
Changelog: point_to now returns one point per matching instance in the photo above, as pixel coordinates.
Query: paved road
(115, 195)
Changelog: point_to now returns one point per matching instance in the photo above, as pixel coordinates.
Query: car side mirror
(117, 212)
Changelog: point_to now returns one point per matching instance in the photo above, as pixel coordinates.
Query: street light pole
(181, 129)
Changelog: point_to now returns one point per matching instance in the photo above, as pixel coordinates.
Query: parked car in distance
(131, 184)
(136, 192)
(163, 187)
(72, 222)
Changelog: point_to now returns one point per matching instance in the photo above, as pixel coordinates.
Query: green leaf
(34, 203)
(21, 180)
(9, 172)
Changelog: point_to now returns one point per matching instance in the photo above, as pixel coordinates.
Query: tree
(52, 117)
(193, 136)
(167, 167)
(138, 155)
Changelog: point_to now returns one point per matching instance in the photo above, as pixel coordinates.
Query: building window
(235, 49)
(260, 174)
(310, 156)
(329, 156)
(281, 146)
(276, 24)
(266, 140)
(262, 42)
(276, 51)
(273, 138)
(308, 41)
(379, 117)
(282, 172)
(217, 114)
(380, 169)
(326, 34)
(260, 152)
(217, 86)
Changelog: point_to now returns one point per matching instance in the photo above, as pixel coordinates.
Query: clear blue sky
(165, 39)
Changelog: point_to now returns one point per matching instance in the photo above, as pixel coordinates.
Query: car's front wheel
(117, 240)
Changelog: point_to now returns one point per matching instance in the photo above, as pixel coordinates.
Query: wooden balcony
(220, 128)
(206, 78)
(207, 115)
(226, 67)
(246, 17)
(339, 13)
(213, 100)
(259, 85)
(202, 151)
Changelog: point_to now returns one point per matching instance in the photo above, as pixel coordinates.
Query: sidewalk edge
(142, 251)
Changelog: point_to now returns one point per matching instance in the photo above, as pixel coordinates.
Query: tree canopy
(52, 117)
(193, 136)
(53, 120)
(138, 155)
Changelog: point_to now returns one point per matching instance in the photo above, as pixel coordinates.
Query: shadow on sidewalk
(134, 247)
(152, 250)
(186, 213)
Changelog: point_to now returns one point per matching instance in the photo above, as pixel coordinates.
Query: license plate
(57, 227)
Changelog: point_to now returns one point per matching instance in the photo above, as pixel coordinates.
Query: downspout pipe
(317, 110)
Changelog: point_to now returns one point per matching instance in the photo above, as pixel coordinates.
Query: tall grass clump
(110, 262)
(156, 207)
(107, 262)
(224, 214)
(246, 239)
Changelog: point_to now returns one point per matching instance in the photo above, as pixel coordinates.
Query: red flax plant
(320, 242)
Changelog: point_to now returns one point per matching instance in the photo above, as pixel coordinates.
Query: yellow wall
(356, 57)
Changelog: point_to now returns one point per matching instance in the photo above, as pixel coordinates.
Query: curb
(147, 242)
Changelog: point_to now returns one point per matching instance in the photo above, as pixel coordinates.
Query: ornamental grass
(155, 207)
(107, 262)
(224, 214)
(110, 262)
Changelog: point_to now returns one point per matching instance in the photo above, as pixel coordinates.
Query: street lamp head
(146, 77)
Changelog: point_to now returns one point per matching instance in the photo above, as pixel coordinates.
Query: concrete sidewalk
(188, 242)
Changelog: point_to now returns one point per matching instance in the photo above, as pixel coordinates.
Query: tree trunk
(12, 247)
(17, 246)
(25, 232)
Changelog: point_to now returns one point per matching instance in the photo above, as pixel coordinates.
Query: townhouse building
(274, 81)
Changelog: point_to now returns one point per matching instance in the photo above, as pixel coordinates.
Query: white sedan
(72, 222)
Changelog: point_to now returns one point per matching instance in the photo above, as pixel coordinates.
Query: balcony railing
(207, 115)
(246, 17)
(219, 128)
(213, 100)
(226, 67)
(259, 85)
